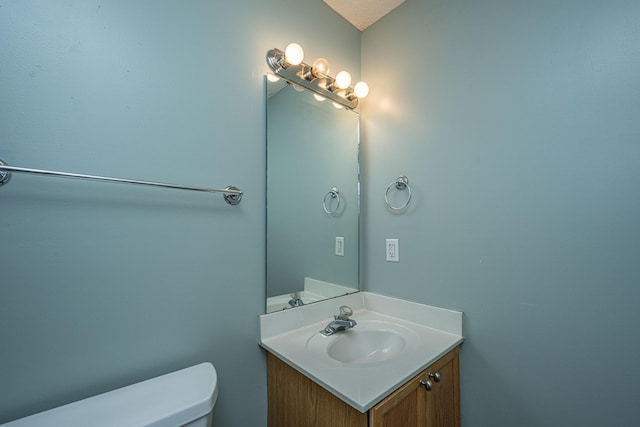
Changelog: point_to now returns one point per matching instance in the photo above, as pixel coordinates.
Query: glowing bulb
(336, 105)
(320, 67)
(272, 77)
(361, 90)
(343, 79)
(319, 97)
(293, 54)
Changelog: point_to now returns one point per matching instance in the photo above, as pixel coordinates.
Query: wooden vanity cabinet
(293, 400)
(296, 401)
(419, 404)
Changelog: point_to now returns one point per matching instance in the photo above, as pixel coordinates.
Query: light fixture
(288, 65)
(361, 90)
(293, 54)
(343, 79)
(320, 68)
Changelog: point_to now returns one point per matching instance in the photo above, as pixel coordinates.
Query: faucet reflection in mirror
(288, 65)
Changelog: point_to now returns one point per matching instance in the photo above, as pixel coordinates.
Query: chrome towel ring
(401, 183)
(334, 193)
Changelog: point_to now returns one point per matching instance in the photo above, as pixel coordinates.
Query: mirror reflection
(312, 198)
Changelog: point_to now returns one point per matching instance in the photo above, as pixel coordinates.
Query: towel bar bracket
(5, 176)
(232, 198)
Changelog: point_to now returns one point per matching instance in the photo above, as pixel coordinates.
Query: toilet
(184, 398)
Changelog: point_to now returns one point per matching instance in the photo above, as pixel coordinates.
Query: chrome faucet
(295, 300)
(340, 322)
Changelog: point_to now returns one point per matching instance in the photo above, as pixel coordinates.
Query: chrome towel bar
(232, 195)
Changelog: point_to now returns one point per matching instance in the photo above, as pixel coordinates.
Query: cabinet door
(443, 401)
(413, 405)
(295, 401)
(403, 408)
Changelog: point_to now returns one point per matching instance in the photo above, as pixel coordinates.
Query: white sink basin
(370, 341)
(366, 346)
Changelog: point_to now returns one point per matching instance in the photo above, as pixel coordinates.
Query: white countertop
(434, 332)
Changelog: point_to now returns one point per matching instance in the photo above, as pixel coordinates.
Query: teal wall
(517, 125)
(103, 285)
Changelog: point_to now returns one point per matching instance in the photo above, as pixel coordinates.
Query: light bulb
(336, 105)
(293, 54)
(297, 88)
(272, 77)
(361, 90)
(343, 79)
(320, 67)
(319, 97)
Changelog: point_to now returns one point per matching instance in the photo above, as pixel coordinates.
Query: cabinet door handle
(436, 377)
(428, 385)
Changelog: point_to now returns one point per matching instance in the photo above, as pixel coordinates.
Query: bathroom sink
(391, 343)
(366, 346)
(370, 341)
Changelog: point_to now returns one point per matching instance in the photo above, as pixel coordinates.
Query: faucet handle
(345, 312)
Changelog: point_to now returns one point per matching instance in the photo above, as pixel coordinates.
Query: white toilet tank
(181, 398)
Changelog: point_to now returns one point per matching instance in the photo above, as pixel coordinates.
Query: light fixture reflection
(319, 97)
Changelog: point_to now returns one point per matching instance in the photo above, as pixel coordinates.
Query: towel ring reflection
(401, 183)
(334, 193)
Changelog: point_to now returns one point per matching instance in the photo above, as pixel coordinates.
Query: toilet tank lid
(172, 399)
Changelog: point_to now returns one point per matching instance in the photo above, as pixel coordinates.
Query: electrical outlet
(393, 250)
(339, 246)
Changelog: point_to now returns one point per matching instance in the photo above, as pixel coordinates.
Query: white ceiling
(362, 13)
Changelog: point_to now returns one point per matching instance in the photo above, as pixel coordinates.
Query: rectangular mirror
(313, 194)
